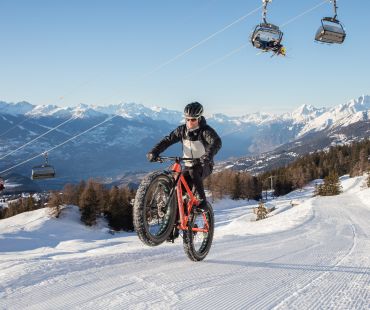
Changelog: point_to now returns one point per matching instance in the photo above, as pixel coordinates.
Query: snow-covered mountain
(19, 108)
(309, 117)
(126, 110)
(119, 146)
(81, 111)
(340, 116)
(305, 114)
(139, 111)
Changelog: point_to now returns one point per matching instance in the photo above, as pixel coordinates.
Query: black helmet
(194, 109)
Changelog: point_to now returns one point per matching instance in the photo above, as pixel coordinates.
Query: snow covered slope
(314, 255)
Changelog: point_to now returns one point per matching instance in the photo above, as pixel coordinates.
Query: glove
(152, 156)
(204, 159)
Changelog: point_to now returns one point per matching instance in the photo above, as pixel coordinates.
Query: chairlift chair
(44, 171)
(266, 36)
(331, 30)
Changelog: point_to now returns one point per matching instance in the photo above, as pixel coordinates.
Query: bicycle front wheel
(155, 208)
(198, 238)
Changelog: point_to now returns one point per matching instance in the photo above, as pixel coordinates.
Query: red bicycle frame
(193, 201)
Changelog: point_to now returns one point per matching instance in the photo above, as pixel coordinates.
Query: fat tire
(139, 218)
(188, 236)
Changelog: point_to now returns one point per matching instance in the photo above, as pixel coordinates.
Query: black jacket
(205, 134)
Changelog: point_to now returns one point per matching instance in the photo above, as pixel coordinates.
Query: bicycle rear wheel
(197, 244)
(155, 209)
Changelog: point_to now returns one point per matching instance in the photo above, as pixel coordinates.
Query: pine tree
(89, 204)
(261, 211)
(119, 209)
(361, 164)
(257, 188)
(236, 189)
(331, 185)
(283, 186)
(368, 179)
(128, 222)
(114, 208)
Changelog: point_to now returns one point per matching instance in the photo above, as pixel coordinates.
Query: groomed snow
(311, 253)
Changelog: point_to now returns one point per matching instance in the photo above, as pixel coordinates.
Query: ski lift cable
(10, 129)
(59, 145)
(304, 13)
(37, 138)
(159, 67)
(244, 45)
(218, 60)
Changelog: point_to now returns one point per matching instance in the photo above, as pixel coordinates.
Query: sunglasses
(191, 119)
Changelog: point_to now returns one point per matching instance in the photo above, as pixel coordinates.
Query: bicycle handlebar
(173, 158)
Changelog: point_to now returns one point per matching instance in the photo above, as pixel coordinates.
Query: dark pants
(195, 175)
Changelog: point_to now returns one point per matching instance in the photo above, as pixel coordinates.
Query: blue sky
(100, 52)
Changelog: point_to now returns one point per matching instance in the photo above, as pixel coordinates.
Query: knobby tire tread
(139, 214)
(188, 238)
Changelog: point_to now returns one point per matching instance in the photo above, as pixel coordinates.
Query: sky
(107, 52)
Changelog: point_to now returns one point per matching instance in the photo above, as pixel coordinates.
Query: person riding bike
(200, 142)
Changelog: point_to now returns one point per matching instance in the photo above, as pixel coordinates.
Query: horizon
(132, 52)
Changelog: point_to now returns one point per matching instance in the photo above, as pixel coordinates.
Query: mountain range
(117, 148)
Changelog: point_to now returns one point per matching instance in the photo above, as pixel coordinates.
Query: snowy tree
(261, 211)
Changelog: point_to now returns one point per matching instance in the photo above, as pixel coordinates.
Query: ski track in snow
(313, 256)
